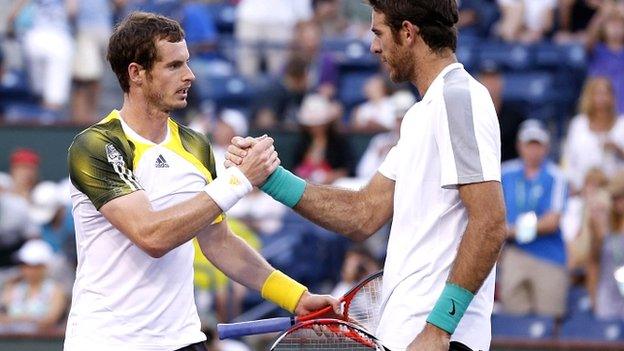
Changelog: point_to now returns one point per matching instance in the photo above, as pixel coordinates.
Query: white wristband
(229, 187)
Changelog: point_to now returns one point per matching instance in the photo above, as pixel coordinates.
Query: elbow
(154, 248)
(149, 239)
(364, 231)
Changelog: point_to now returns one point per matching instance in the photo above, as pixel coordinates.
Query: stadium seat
(556, 57)
(224, 16)
(579, 302)
(525, 327)
(586, 327)
(226, 91)
(350, 87)
(530, 87)
(508, 56)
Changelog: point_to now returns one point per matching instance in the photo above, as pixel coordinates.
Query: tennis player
(440, 185)
(142, 187)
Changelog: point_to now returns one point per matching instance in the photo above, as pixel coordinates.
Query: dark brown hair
(134, 40)
(436, 19)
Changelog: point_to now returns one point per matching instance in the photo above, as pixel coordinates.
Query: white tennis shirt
(449, 138)
(123, 299)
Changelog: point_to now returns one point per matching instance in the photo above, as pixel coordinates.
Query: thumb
(336, 305)
(241, 142)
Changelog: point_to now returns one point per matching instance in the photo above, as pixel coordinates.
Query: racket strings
(336, 337)
(364, 308)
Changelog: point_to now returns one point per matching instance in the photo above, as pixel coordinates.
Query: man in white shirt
(142, 187)
(440, 186)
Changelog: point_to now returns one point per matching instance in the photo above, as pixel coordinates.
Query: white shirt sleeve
(389, 166)
(468, 137)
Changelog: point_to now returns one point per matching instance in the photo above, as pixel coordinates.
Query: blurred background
(301, 71)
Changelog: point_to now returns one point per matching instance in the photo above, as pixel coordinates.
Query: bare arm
(158, 232)
(484, 235)
(356, 214)
(548, 223)
(241, 263)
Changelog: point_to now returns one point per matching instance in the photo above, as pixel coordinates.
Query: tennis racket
(327, 334)
(360, 305)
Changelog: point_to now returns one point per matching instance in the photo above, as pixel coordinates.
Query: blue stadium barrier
(587, 328)
(226, 91)
(525, 327)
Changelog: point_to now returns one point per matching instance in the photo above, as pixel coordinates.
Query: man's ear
(409, 32)
(136, 73)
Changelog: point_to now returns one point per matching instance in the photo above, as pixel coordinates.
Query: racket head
(326, 334)
(361, 304)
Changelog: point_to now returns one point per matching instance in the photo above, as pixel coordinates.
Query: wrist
(284, 187)
(433, 330)
(228, 188)
(283, 291)
(450, 307)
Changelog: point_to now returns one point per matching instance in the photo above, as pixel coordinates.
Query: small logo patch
(161, 162)
(234, 181)
(452, 311)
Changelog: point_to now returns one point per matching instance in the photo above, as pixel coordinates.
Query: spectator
(607, 233)
(327, 14)
(357, 265)
(526, 21)
(358, 16)
(575, 221)
(605, 43)
(595, 137)
(278, 104)
(321, 66)
(94, 23)
(48, 49)
(229, 124)
(574, 17)
(56, 227)
(264, 28)
(381, 144)
(24, 170)
(533, 275)
(15, 228)
(469, 17)
(377, 114)
(510, 115)
(323, 156)
(34, 301)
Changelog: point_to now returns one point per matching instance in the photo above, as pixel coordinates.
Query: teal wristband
(450, 308)
(284, 187)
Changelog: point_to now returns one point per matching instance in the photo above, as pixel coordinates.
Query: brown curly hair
(435, 18)
(134, 40)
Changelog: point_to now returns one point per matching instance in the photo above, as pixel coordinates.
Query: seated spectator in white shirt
(526, 21)
(377, 113)
(34, 302)
(595, 138)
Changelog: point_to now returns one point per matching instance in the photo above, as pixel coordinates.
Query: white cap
(533, 130)
(45, 202)
(402, 100)
(315, 111)
(236, 120)
(35, 252)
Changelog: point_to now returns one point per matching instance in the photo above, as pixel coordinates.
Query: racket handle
(271, 325)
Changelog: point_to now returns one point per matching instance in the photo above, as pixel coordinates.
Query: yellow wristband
(282, 290)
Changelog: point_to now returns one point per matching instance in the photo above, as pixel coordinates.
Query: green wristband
(284, 187)
(450, 308)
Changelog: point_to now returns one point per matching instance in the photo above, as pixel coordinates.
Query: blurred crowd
(303, 65)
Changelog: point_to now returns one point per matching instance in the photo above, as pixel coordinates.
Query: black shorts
(195, 347)
(458, 346)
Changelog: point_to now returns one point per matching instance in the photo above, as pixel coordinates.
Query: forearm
(241, 263)
(335, 209)
(548, 224)
(478, 252)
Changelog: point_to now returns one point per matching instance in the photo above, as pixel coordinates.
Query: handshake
(255, 157)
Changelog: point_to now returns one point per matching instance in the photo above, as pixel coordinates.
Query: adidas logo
(161, 162)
